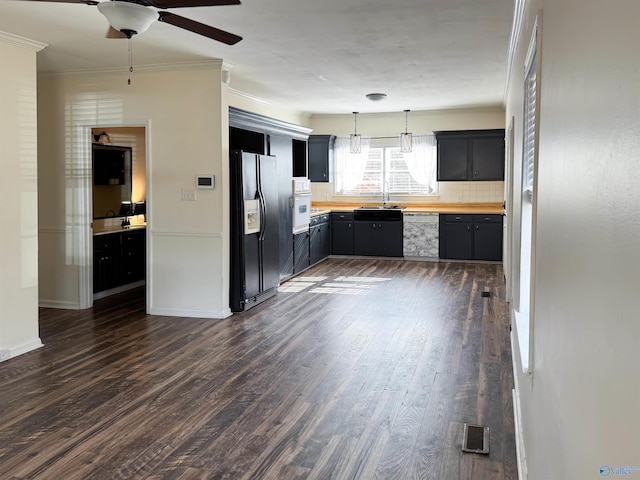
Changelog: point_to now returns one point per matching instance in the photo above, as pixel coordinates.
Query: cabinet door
(452, 159)
(488, 158)
(315, 245)
(341, 237)
(325, 239)
(321, 157)
(106, 262)
(487, 237)
(457, 241)
(300, 251)
(389, 239)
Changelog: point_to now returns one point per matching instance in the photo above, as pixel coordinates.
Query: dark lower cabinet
(487, 237)
(118, 259)
(300, 251)
(380, 238)
(471, 237)
(106, 262)
(342, 233)
(319, 238)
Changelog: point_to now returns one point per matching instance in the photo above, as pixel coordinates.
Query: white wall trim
(61, 304)
(168, 312)
(516, 28)
(22, 42)
(170, 233)
(520, 453)
(23, 348)
(155, 67)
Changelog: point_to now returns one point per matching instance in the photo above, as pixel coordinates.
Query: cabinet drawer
(107, 241)
(314, 221)
(463, 218)
(342, 216)
(487, 219)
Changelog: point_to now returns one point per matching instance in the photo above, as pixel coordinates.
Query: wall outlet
(4, 355)
(188, 194)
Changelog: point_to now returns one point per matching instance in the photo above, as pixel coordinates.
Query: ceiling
(306, 55)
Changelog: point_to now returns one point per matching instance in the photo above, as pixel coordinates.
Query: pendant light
(406, 137)
(356, 140)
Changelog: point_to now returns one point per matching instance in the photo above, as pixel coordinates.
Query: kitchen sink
(379, 213)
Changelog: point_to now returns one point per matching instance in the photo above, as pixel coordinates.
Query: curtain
(421, 161)
(350, 167)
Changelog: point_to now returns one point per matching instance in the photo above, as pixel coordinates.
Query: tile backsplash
(448, 192)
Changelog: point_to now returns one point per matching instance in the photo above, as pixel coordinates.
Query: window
(524, 313)
(383, 167)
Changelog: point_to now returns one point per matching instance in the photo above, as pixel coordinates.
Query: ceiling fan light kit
(128, 18)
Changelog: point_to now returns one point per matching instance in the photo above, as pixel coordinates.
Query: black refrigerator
(255, 263)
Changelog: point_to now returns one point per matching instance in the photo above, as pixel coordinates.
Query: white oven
(301, 204)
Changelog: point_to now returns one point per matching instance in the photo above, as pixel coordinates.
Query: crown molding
(22, 42)
(156, 67)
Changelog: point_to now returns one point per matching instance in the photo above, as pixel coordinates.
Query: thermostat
(205, 181)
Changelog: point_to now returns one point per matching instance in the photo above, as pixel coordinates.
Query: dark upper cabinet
(321, 157)
(247, 140)
(470, 155)
(299, 158)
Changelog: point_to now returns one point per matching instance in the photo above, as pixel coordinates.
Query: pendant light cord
(130, 60)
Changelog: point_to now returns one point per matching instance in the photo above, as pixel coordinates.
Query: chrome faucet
(385, 198)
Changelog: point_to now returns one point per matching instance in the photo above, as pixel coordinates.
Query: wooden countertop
(319, 208)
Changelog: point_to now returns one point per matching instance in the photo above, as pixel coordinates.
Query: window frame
(384, 184)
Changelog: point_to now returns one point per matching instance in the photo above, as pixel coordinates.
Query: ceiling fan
(131, 17)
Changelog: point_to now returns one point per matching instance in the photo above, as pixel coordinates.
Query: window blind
(529, 147)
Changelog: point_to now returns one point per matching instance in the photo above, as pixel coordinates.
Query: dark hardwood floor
(349, 378)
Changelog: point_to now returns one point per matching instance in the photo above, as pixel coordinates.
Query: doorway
(119, 208)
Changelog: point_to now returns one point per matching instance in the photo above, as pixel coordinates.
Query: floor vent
(486, 294)
(476, 439)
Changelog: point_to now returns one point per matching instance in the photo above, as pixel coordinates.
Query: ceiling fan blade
(191, 3)
(113, 33)
(199, 28)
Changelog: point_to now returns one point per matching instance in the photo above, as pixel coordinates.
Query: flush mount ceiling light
(376, 97)
(406, 137)
(128, 18)
(355, 139)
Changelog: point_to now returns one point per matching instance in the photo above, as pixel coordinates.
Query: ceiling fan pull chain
(130, 61)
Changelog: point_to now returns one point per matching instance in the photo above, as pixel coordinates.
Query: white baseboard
(48, 303)
(17, 350)
(169, 312)
(520, 452)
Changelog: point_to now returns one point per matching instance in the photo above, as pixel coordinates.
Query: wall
(419, 123)
(186, 246)
(186, 134)
(579, 404)
(18, 197)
